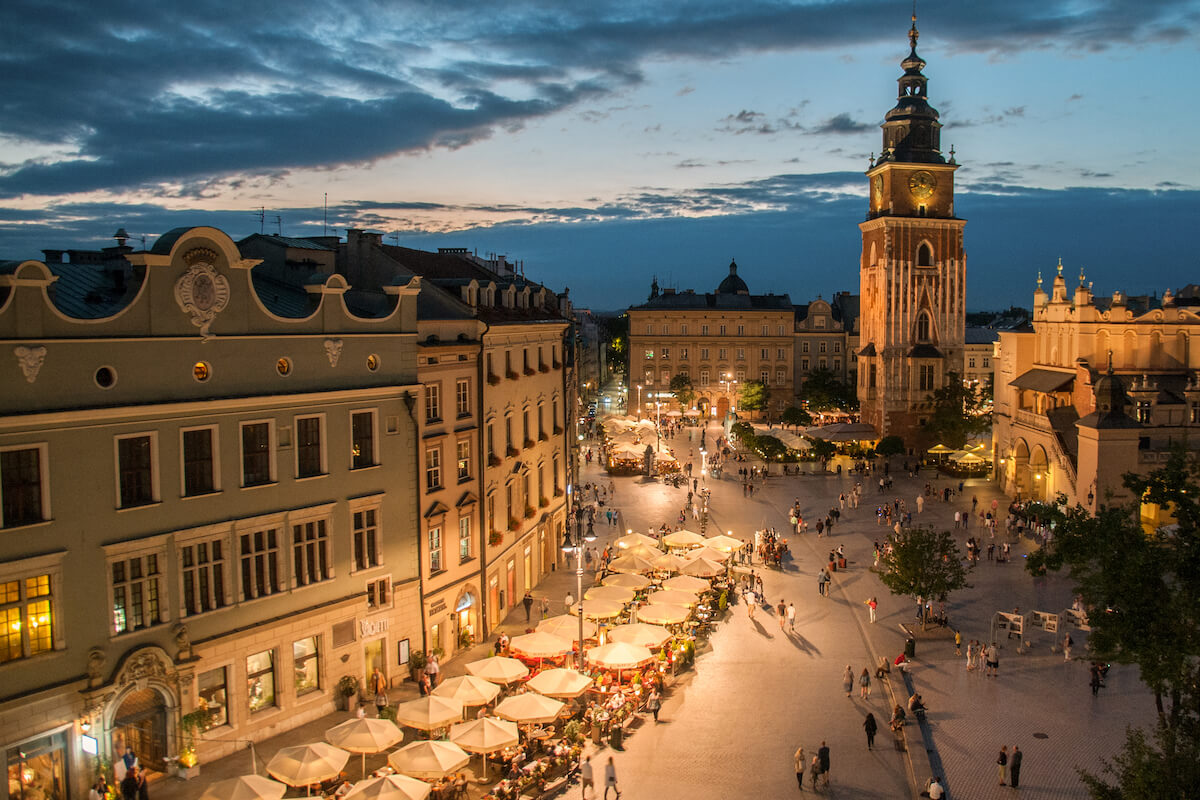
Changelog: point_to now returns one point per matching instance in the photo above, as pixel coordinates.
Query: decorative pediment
(468, 499)
(438, 509)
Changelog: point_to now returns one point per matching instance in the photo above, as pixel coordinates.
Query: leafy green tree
(743, 432)
(823, 449)
(769, 447)
(823, 390)
(681, 385)
(796, 417)
(753, 396)
(1167, 767)
(958, 413)
(923, 563)
(890, 446)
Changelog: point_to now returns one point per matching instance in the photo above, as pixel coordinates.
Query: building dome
(732, 283)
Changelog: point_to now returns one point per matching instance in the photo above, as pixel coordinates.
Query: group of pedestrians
(818, 768)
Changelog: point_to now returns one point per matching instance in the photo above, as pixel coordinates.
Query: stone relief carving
(30, 359)
(333, 349)
(183, 642)
(202, 292)
(95, 666)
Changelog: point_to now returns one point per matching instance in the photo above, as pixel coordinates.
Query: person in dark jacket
(129, 784)
(870, 726)
(823, 760)
(1014, 767)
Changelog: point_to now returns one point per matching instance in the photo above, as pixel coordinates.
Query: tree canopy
(753, 396)
(823, 390)
(923, 563)
(796, 417)
(958, 413)
(890, 446)
(681, 385)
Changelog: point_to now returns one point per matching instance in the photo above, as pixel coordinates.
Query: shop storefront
(37, 769)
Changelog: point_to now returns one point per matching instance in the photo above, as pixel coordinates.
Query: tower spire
(913, 33)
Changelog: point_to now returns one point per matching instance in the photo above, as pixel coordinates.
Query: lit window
(260, 680)
(362, 435)
(464, 538)
(464, 458)
(27, 614)
(433, 468)
(213, 697)
(435, 549)
(306, 663)
(137, 589)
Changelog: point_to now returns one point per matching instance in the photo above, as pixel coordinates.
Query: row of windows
(822, 347)
(24, 472)
(433, 464)
(528, 365)
(722, 330)
(987, 362)
(527, 430)
(764, 376)
(437, 554)
(822, 363)
(523, 495)
(261, 682)
(723, 353)
(433, 400)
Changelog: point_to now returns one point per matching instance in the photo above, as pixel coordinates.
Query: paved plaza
(730, 727)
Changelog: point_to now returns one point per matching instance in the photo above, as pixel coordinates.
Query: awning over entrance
(1042, 380)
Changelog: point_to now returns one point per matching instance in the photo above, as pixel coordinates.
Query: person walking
(864, 685)
(1014, 767)
(1002, 763)
(799, 758)
(610, 778)
(751, 601)
(781, 612)
(586, 777)
(379, 689)
(823, 760)
(129, 784)
(870, 726)
(821, 579)
(527, 601)
(653, 703)
(848, 681)
(1067, 642)
(993, 661)
(791, 616)
(872, 604)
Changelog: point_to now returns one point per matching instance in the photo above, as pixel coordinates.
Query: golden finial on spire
(1039, 279)
(912, 32)
(1060, 266)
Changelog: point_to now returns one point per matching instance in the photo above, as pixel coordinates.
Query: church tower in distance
(913, 271)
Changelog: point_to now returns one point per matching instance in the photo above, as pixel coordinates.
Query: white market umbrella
(246, 787)
(669, 563)
(639, 633)
(632, 540)
(468, 690)
(498, 669)
(391, 787)
(673, 597)
(625, 580)
(426, 759)
(428, 713)
(703, 568)
(364, 736)
(687, 583)
(724, 543)
(567, 626)
(631, 563)
(560, 682)
(659, 614)
(598, 609)
(529, 708)
(684, 539)
(306, 764)
(485, 736)
(692, 412)
(540, 645)
(619, 655)
(616, 594)
(719, 556)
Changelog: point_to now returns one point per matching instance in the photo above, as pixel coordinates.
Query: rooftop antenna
(262, 218)
(278, 225)
(325, 220)
(395, 237)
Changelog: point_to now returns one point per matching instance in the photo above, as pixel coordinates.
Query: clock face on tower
(922, 184)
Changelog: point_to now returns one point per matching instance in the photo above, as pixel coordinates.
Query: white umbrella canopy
(633, 540)
(687, 583)
(673, 597)
(724, 543)
(306, 764)
(684, 539)
(692, 412)
(619, 655)
(426, 759)
(364, 736)
(529, 708)
(631, 563)
(719, 556)
(616, 594)
(485, 735)
(246, 787)
(391, 787)
(540, 645)
(668, 563)
(674, 413)
(642, 551)
(560, 682)
(703, 568)
(567, 626)
(598, 609)
(625, 580)
(639, 633)
(468, 690)
(498, 669)
(659, 614)
(428, 713)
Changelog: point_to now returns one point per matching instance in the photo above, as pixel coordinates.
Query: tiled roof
(690, 300)
(980, 336)
(84, 291)
(289, 241)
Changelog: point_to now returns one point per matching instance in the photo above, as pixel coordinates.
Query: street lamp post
(577, 547)
(657, 426)
(639, 408)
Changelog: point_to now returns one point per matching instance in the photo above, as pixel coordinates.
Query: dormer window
(924, 325)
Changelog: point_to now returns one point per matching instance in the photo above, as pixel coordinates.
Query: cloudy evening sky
(604, 142)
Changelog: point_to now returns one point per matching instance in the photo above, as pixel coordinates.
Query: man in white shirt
(585, 776)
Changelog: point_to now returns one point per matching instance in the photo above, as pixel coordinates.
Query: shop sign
(372, 627)
(437, 606)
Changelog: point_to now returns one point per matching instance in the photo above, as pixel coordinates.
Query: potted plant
(416, 663)
(186, 765)
(347, 687)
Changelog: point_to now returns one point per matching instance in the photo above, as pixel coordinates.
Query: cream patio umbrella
(619, 655)
(626, 580)
(364, 736)
(639, 633)
(468, 690)
(540, 645)
(707, 552)
(673, 597)
(598, 609)
(631, 563)
(428, 759)
(684, 538)
(428, 713)
(616, 594)
(246, 787)
(306, 764)
(660, 614)
(687, 583)
(939, 449)
(391, 787)
(567, 626)
(529, 709)
(668, 562)
(703, 568)
(498, 669)
(485, 736)
(634, 540)
(560, 682)
(724, 543)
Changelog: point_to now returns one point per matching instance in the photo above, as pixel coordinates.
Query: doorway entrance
(140, 725)
(373, 656)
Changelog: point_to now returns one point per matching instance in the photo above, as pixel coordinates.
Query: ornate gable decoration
(30, 359)
(202, 292)
(333, 349)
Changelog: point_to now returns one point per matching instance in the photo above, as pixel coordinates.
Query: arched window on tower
(924, 255)
(923, 327)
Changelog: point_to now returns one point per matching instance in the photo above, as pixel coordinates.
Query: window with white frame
(925, 376)
(704, 377)
(306, 665)
(683, 328)
(986, 362)
(136, 591)
(259, 554)
(665, 352)
(683, 352)
(837, 347)
(766, 330)
(258, 460)
(24, 489)
(704, 330)
(29, 607)
(199, 454)
(722, 353)
(433, 402)
(764, 377)
(741, 354)
(741, 376)
(741, 330)
(463, 453)
(310, 552)
(464, 538)
(804, 347)
(462, 397)
(435, 549)
(203, 569)
(310, 451)
(433, 468)
(821, 347)
(762, 353)
(137, 482)
(780, 353)
(379, 593)
(362, 439)
(971, 362)
(721, 330)
(780, 377)
(365, 524)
